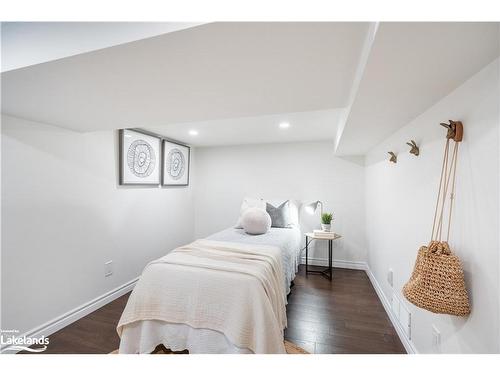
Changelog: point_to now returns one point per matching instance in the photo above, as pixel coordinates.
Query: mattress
(144, 336)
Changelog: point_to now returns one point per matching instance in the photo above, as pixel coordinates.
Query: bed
(141, 335)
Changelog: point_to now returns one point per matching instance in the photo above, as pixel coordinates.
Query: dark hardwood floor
(341, 316)
(92, 334)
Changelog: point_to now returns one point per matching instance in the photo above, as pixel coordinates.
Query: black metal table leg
(327, 272)
(330, 255)
(307, 253)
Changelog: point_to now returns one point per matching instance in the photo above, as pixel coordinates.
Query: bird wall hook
(455, 130)
(414, 148)
(393, 158)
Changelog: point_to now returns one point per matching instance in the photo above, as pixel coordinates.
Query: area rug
(290, 349)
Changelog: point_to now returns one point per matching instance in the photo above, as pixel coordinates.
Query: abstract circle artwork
(175, 164)
(141, 158)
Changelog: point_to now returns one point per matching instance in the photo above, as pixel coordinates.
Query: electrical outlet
(405, 319)
(108, 268)
(395, 306)
(436, 338)
(390, 276)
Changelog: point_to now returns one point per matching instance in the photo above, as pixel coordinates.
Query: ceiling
(410, 67)
(351, 83)
(212, 71)
(303, 126)
(30, 43)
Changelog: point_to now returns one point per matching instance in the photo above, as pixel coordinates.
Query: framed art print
(175, 164)
(140, 161)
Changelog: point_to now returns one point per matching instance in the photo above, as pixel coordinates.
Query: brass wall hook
(414, 148)
(455, 130)
(393, 158)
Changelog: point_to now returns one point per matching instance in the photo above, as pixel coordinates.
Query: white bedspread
(287, 239)
(145, 335)
(232, 288)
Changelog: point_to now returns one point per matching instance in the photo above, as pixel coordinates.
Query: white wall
(64, 216)
(400, 203)
(302, 171)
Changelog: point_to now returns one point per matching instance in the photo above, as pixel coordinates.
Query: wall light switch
(436, 338)
(108, 268)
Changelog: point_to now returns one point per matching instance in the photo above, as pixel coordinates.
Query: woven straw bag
(437, 282)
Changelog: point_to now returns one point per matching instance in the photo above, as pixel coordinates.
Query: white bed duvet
(287, 239)
(143, 335)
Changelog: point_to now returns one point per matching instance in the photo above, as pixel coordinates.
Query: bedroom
(249, 187)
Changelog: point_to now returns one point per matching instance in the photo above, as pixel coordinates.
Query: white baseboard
(407, 343)
(352, 265)
(66, 319)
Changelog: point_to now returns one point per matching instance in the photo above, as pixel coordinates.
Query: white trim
(352, 265)
(72, 316)
(407, 343)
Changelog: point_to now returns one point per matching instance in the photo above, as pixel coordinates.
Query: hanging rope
(452, 194)
(448, 176)
(440, 185)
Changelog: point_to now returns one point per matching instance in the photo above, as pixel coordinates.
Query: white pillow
(256, 221)
(249, 203)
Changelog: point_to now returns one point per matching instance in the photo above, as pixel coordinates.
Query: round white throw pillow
(256, 221)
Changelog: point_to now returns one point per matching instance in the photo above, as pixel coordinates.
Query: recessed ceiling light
(193, 132)
(284, 125)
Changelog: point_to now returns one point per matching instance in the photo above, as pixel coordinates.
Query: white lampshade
(312, 207)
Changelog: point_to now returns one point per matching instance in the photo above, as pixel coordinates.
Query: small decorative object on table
(326, 221)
